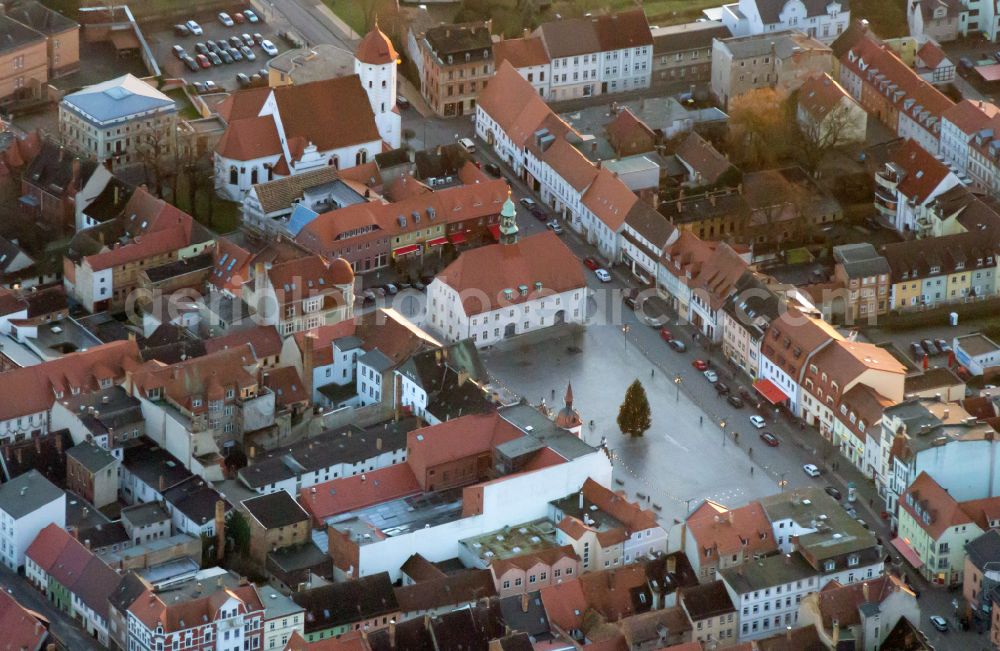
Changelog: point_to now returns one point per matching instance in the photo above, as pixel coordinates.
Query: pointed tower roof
(376, 48)
(508, 221)
(568, 418)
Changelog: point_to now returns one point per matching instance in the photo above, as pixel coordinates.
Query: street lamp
(677, 382)
(625, 330)
(722, 425)
(783, 482)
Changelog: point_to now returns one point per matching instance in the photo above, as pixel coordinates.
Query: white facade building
(824, 21)
(28, 504)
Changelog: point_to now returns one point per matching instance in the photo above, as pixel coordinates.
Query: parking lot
(162, 39)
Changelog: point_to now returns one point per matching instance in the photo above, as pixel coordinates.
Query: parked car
(940, 623)
(833, 492)
(258, 38)
(493, 169)
(251, 16)
(236, 54)
(770, 439)
(851, 512)
(222, 44)
(201, 48)
(235, 41)
(214, 58)
(811, 470)
(467, 144)
(942, 345)
(194, 28)
(178, 51)
(700, 364)
(248, 53)
(602, 275)
(247, 39)
(555, 227)
(629, 302)
(225, 19)
(677, 345)
(256, 80)
(402, 102)
(190, 63)
(720, 388)
(665, 334)
(758, 421)
(538, 213)
(929, 347)
(528, 202)
(746, 394)
(243, 80)
(181, 30)
(239, 18)
(391, 289)
(918, 350)
(269, 48)
(199, 87)
(203, 61)
(711, 376)
(225, 56)
(211, 87)
(735, 401)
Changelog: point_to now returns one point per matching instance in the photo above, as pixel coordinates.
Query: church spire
(508, 221)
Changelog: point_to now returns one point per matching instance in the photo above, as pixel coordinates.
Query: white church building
(340, 122)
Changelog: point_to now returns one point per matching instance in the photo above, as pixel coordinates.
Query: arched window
(253, 176)
(334, 162)
(383, 83)
(369, 83)
(234, 176)
(270, 172)
(361, 158)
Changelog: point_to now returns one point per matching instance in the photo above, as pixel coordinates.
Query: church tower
(508, 221)
(375, 64)
(568, 418)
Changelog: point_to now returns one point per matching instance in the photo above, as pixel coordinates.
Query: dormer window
(852, 560)
(196, 402)
(828, 566)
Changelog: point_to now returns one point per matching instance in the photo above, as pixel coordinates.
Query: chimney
(163, 483)
(19, 454)
(788, 559)
(671, 565)
(38, 444)
(86, 543)
(392, 633)
(76, 170)
(524, 602)
(59, 444)
(864, 590)
(581, 501)
(836, 633)
(220, 529)
(788, 634)
(945, 414)
(378, 443)
(711, 198)
(308, 353)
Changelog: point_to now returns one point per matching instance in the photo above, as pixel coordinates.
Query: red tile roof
(879, 68)
(37, 386)
(458, 438)
(512, 102)
(930, 497)
(549, 556)
(609, 199)
(181, 615)
(923, 172)
(702, 157)
(971, 115)
(343, 100)
(565, 604)
(350, 641)
(264, 341)
(230, 265)
(376, 49)
(350, 493)
(820, 95)
(611, 592)
(48, 545)
(630, 514)
(286, 385)
(841, 603)
(490, 270)
(743, 529)
(204, 378)
(521, 52)
(323, 339)
(931, 54)
(21, 629)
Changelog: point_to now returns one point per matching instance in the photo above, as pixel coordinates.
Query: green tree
(634, 414)
(238, 531)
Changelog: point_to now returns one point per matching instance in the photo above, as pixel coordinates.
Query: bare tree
(815, 141)
(156, 148)
(758, 126)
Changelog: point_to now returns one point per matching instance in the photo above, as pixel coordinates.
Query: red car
(700, 364)
(203, 61)
(769, 438)
(591, 264)
(665, 334)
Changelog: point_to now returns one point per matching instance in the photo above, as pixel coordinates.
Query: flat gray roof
(27, 493)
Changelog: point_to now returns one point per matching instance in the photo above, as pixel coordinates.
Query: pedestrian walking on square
(751, 471)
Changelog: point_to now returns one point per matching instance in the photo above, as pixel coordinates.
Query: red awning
(770, 391)
(437, 241)
(403, 250)
(457, 238)
(495, 231)
(911, 556)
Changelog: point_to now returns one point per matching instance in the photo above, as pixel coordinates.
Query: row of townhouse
(583, 57)
(542, 149)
